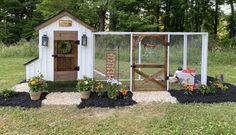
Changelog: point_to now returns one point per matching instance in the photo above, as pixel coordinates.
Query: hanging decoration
(64, 47)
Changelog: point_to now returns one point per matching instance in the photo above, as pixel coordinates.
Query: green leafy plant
(218, 84)
(113, 88)
(37, 84)
(124, 93)
(205, 89)
(188, 89)
(212, 87)
(99, 87)
(6, 93)
(85, 84)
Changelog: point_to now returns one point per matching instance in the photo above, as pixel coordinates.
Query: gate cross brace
(150, 78)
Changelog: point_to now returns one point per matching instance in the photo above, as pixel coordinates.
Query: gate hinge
(167, 78)
(168, 43)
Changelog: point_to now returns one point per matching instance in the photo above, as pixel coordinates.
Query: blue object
(221, 77)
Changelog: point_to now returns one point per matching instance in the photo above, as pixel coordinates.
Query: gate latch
(77, 42)
(77, 68)
(54, 55)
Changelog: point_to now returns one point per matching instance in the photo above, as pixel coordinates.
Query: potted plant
(37, 85)
(85, 86)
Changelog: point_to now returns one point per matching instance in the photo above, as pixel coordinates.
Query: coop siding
(32, 69)
(85, 53)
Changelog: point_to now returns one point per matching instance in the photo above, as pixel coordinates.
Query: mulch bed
(104, 101)
(22, 99)
(197, 97)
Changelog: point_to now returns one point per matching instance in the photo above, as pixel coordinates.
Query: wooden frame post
(204, 59)
(168, 63)
(131, 62)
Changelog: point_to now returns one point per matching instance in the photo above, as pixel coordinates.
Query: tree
(232, 20)
(19, 17)
(216, 16)
(16, 19)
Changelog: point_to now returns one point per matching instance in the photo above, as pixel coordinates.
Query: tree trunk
(102, 19)
(157, 17)
(167, 15)
(232, 23)
(216, 18)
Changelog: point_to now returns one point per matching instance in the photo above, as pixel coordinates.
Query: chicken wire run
(183, 49)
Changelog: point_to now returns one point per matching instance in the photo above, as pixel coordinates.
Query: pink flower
(40, 82)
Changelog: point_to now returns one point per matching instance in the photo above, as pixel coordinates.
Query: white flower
(109, 81)
(114, 81)
(86, 82)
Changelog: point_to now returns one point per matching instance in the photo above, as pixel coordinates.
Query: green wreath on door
(64, 47)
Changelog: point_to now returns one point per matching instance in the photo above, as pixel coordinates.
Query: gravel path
(157, 96)
(62, 98)
(22, 87)
(71, 98)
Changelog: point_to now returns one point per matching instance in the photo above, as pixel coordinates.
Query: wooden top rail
(148, 66)
(63, 55)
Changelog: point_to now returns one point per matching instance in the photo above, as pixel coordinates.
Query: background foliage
(19, 17)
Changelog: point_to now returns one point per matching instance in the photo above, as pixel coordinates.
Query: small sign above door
(65, 23)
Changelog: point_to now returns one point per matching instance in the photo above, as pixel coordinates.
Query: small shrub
(125, 93)
(212, 87)
(113, 87)
(6, 93)
(115, 90)
(217, 84)
(99, 88)
(229, 42)
(188, 89)
(22, 48)
(204, 89)
(85, 84)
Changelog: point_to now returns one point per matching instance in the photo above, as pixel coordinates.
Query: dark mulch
(104, 101)
(22, 99)
(197, 97)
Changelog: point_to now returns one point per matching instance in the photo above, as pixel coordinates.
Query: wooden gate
(150, 74)
(65, 55)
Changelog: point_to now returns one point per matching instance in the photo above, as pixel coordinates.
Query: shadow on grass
(197, 97)
(104, 101)
(22, 99)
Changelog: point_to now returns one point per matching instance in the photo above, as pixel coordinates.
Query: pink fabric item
(188, 71)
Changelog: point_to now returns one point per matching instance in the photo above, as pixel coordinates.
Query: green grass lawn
(145, 119)
(141, 119)
(12, 71)
(227, 70)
